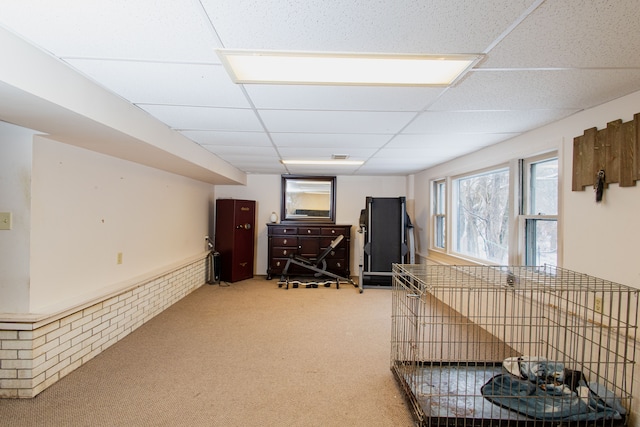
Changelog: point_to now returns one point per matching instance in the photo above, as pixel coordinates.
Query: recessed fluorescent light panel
(323, 162)
(276, 67)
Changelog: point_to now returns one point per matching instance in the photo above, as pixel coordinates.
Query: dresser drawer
(337, 253)
(308, 231)
(277, 265)
(286, 252)
(289, 242)
(284, 231)
(325, 242)
(337, 265)
(334, 231)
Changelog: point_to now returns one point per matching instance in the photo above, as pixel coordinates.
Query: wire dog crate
(521, 346)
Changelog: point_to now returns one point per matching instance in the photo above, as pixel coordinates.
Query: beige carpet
(250, 354)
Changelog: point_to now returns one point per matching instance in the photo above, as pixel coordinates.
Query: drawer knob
(308, 231)
(277, 263)
(333, 231)
(285, 241)
(284, 252)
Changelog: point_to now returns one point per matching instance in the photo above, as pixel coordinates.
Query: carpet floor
(247, 354)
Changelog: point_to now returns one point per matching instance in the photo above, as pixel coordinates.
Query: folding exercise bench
(318, 265)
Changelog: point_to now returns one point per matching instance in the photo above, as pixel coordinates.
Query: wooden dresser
(307, 240)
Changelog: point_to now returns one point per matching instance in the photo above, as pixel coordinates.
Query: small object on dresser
(273, 218)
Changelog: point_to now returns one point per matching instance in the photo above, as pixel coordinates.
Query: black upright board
(384, 223)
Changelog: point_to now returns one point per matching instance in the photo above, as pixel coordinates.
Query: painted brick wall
(35, 356)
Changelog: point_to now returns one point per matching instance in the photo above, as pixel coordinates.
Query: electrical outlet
(597, 305)
(5, 220)
(119, 258)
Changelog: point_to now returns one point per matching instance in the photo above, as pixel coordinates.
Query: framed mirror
(308, 199)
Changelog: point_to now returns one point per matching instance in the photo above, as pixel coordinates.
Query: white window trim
(517, 221)
(452, 195)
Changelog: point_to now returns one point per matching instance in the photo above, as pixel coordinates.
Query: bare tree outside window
(483, 216)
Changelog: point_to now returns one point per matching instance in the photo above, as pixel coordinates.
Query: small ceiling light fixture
(364, 69)
(323, 162)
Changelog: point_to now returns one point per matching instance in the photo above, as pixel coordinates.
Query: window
(439, 218)
(481, 215)
(541, 212)
(504, 215)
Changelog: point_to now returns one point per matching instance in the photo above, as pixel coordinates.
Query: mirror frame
(332, 199)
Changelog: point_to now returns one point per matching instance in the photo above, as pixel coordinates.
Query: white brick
(25, 335)
(24, 374)
(60, 331)
(116, 304)
(46, 329)
(90, 310)
(79, 356)
(81, 338)
(59, 349)
(57, 368)
(98, 344)
(43, 367)
(90, 325)
(71, 318)
(16, 345)
(46, 347)
(110, 315)
(8, 373)
(71, 334)
(13, 383)
(8, 393)
(8, 335)
(8, 354)
(71, 351)
(72, 367)
(15, 364)
(80, 322)
(101, 327)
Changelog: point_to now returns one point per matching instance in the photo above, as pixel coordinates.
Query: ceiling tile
(334, 121)
(204, 118)
(329, 140)
(446, 141)
(540, 89)
(210, 137)
(573, 33)
(165, 83)
(364, 98)
(227, 151)
(324, 153)
(409, 26)
(513, 121)
(322, 170)
(168, 30)
(400, 166)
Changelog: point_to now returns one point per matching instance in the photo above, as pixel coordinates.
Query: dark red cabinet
(235, 238)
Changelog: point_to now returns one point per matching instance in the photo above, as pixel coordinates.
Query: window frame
(453, 221)
(526, 248)
(519, 198)
(439, 213)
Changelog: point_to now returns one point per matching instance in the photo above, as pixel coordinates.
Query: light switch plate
(5, 220)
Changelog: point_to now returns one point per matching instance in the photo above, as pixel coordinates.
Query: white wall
(597, 239)
(87, 207)
(351, 192)
(15, 197)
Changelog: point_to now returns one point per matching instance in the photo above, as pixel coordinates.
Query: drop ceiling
(543, 61)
